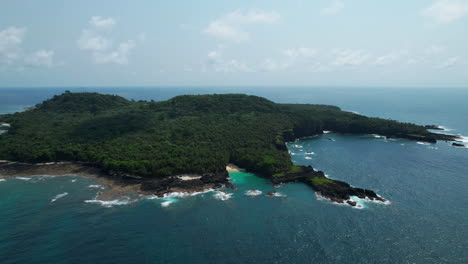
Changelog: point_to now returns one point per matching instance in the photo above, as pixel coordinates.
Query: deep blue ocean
(57, 219)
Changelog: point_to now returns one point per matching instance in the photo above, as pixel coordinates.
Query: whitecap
(310, 153)
(2, 180)
(151, 197)
(277, 194)
(166, 203)
(58, 196)
(423, 143)
(74, 180)
(297, 146)
(96, 186)
(377, 136)
(110, 203)
(308, 158)
(222, 196)
(253, 192)
(444, 128)
(24, 178)
(326, 132)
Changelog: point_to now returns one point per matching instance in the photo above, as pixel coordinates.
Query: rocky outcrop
(455, 144)
(157, 186)
(333, 190)
(433, 127)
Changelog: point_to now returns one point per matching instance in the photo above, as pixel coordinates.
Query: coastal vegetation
(186, 134)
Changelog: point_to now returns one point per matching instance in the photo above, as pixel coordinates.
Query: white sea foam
(444, 128)
(222, 196)
(111, 203)
(463, 139)
(360, 203)
(308, 158)
(253, 192)
(166, 203)
(277, 194)
(377, 136)
(326, 132)
(74, 180)
(24, 178)
(185, 194)
(96, 186)
(297, 146)
(58, 196)
(423, 143)
(310, 153)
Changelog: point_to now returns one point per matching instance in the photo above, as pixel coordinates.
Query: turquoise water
(426, 221)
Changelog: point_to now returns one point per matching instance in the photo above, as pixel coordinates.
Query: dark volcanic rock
(458, 145)
(433, 127)
(334, 190)
(271, 193)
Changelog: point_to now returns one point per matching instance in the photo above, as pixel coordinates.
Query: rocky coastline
(118, 180)
(336, 191)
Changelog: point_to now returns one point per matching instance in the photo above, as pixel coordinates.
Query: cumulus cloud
(118, 56)
(11, 39)
(448, 63)
(12, 53)
(335, 7)
(93, 39)
(41, 58)
(230, 26)
(390, 58)
(217, 63)
(300, 52)
(271, 65)
(100, 22)
(350, 58)
(446, 11)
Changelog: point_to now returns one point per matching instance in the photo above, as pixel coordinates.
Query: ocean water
(57, 219)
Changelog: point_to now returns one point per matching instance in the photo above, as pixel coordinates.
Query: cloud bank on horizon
(312, 43)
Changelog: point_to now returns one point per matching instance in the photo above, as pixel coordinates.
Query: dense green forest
(186, 134)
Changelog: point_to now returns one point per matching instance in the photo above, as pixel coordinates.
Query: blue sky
(400, 43)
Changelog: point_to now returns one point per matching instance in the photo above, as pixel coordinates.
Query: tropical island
(185, 143)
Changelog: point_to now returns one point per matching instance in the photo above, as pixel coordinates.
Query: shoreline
(118, 184)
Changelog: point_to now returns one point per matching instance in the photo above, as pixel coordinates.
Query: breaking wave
(223, 196)
(110, 203)
(253, 192)
(58, 196)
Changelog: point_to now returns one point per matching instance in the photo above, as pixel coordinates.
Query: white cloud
(273, 66)
(13, 55)
(335, 7)
(300, 52)
(118, 56)
(41, 58)
(100, 22)
(10, 38)
(102, 48)
(432, 50)
(350, 58)
(90, 40)
(388, 58)
(217, 63)
(446, 11)
(230, 26)
(450, 62)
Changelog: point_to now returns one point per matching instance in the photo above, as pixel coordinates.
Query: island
(185, 143)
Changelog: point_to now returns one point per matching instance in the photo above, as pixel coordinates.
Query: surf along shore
(120, 184)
